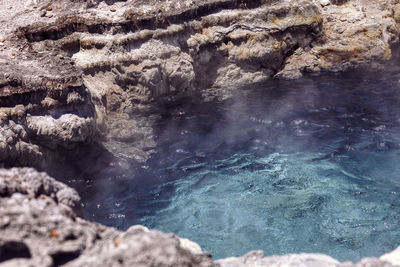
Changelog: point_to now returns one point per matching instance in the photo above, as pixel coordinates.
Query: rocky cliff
(82, 72)
(76, 74)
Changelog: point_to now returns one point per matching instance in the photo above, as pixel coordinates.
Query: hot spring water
(311, 165)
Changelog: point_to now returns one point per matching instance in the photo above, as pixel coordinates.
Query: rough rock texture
(35, 185)
(257, 259)
(39, 226)
(74, 72)
(354, 34)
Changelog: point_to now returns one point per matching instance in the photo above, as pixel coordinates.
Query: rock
(137, 247)
(33, 184)
(325, 2)
(257, 258)
(43, 227)
(392, 257)
(39, 227)
(359, 32)
(190, 245)
(119, 66)
(62, 131)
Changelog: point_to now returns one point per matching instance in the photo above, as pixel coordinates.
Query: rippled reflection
(303, 166)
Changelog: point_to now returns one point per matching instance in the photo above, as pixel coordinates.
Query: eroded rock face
(38, 119)
(35, 185)
(139, 246)
(38, 214)
(183, 51)
(78, 71)
(354, 34)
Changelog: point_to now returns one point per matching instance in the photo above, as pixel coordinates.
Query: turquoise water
(302, 166)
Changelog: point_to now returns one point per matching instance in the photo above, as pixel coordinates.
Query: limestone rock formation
(354, 34)
(79, 72)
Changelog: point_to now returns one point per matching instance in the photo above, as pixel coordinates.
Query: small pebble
(340, 30)
(54, 233)
(117, 241)
(2, 40)
(325, 2)
(113, 9)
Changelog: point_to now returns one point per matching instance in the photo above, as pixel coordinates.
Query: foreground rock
(82, 72)
(257, 259)
(40, 226)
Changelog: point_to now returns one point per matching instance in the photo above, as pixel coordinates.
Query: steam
(328, 115)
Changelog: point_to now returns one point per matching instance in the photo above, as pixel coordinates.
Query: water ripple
(311, 166)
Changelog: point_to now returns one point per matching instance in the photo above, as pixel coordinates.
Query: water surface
(311, 165)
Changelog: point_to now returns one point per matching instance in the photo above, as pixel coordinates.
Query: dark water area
(311, 165)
